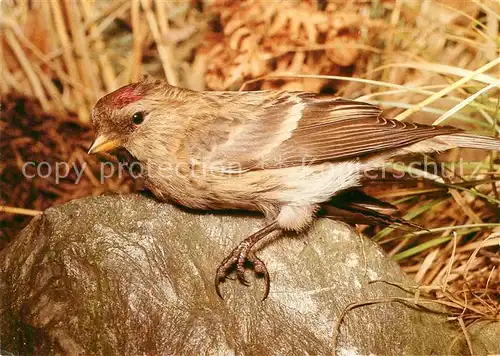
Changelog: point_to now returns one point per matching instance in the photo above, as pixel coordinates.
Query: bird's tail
(356, 207)
(471, 141)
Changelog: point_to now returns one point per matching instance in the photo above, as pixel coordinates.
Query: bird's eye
(138, 118)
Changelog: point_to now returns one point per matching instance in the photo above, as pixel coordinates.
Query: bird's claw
(237, 259)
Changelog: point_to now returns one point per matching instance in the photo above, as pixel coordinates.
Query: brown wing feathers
(279, 129)
(340, 129)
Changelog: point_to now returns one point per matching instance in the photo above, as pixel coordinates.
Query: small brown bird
(288, 155)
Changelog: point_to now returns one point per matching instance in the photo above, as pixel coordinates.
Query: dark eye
(138, 118)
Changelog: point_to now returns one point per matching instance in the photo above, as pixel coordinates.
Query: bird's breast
(207, 191)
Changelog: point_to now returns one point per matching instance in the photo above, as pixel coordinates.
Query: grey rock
(484, 337)
(127, 275)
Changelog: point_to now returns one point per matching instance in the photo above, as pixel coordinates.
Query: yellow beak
(103, 144)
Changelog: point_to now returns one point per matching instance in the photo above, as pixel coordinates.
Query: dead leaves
(260, 38)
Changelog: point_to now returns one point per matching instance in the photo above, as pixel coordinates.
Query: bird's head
(130, 117)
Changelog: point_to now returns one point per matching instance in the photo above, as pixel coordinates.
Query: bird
(289, 155)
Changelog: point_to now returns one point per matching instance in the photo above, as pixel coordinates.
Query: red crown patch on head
(125, 96)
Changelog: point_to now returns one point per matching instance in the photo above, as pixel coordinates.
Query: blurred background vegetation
(432, 61)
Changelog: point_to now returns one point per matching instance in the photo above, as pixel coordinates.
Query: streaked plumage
(285, 154)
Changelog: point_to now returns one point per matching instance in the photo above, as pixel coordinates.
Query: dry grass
(429, 61)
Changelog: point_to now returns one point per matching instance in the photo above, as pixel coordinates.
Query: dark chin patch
(131, 163)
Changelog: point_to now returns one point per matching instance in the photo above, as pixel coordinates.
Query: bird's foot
(243, 255)
(238, 259)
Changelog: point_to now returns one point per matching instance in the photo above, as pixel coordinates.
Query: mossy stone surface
(128, 275)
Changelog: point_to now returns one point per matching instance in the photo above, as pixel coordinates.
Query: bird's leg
(242, 254)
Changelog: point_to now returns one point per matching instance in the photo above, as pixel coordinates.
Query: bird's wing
(268, 130)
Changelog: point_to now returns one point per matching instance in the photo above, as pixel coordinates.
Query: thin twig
(163, 49)
(30, 72)
(20, 211)
(466, 334)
